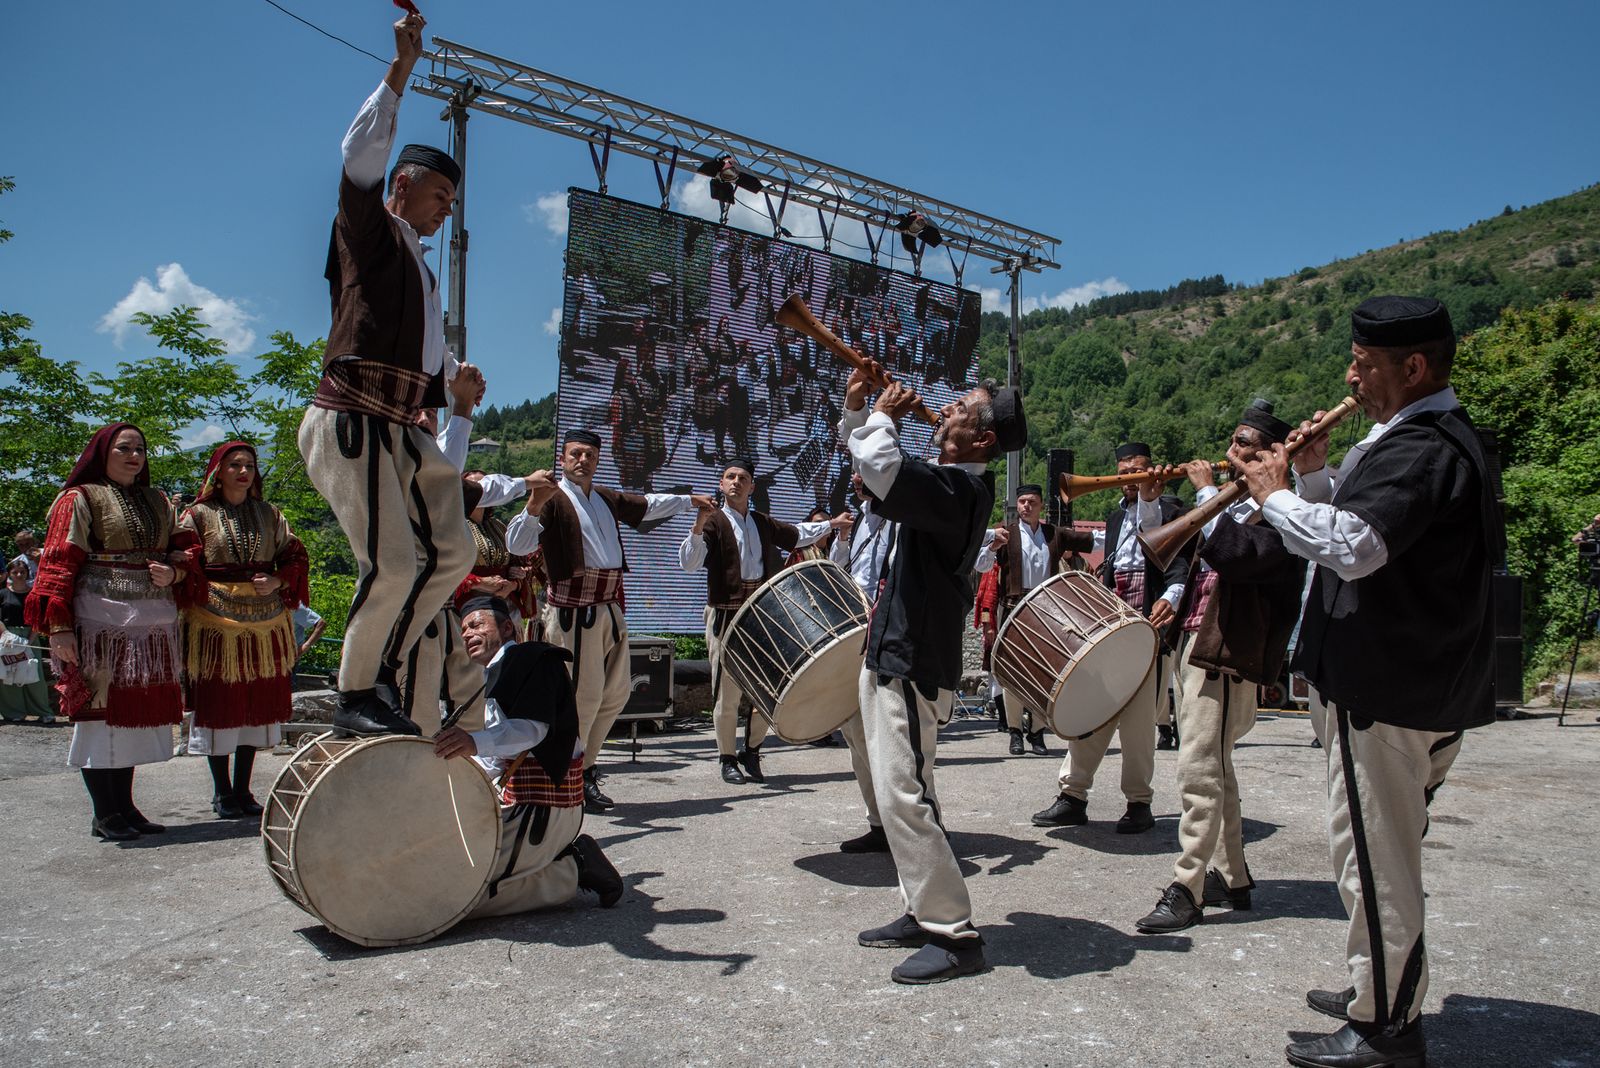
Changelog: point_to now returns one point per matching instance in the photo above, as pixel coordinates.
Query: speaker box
(1507, 605)
(651, 668)
(1508, 671)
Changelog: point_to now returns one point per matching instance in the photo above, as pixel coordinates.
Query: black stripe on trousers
(377, 435)
(914, 723)
(1369, 890)
(422, 530)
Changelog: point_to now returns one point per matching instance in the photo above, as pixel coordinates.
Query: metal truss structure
(474, 80)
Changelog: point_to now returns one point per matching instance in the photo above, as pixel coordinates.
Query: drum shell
(1073, 652)
(796, 648)
(376, 865)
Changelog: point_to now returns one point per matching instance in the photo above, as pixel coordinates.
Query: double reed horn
(1074, 486)
(796, 316)
(1162, 545)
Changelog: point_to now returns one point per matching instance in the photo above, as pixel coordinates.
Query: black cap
(1129, 449)
(1259, 415)
(742, 462)
(1010, 425)
(431, 158)
(1393, 322)
(483, 603)
(1030, 487)
(582, 437)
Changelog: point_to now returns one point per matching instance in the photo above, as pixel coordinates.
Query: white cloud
(550, 210)
(552, 325)
(209, 434)
(228, 319)
(999, 299)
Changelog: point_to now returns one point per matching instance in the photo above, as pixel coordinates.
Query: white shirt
(1128, 554)
(602, 543)
(366, 158)
(498, 489)
(692, 553)
(1239, 511)
(1035, 563)
(864, 552)
(1340, 540)
(454, 439)
(505, 736)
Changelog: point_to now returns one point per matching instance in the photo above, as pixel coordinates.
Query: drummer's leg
(1136, 731)
(855, 737)
(725, 710)
(755, 731)
(1083, 760)
(615, 667)
(542, 877)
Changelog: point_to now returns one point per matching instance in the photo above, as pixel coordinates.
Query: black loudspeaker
(1060, 464)
(1507, 605)
(1508, 671)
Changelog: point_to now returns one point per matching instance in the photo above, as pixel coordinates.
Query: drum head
(824, 693)
(1105, 678)
(393, 845)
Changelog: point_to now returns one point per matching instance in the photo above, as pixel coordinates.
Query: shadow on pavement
(1058, 947)
(1300, 899)
(850, 869)
(188, 833)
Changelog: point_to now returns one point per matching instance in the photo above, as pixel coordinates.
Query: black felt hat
(744, 463)
(431, 158)
(1394, 322)
(482, 603)
(1129, 449)
(1259, 415)
(1010, 425)
(1030, 487)
(582, 437)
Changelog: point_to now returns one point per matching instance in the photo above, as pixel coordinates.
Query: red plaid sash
(529, 785)
(1130, 587)
(587, 586)
(1204, 583)
(741, 595)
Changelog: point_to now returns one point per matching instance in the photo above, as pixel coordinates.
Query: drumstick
(450, 779)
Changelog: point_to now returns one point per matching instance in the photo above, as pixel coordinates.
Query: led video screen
(670, 353)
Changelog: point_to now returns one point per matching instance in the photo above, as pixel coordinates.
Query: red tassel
(407, 5)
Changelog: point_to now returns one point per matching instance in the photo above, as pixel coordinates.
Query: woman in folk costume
(816, 550)
(250, 574)
(105, 597)
(497, 572)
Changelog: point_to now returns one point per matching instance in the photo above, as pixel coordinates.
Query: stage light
(914, 226)
(725, 176)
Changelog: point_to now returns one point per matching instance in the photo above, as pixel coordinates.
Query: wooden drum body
(796, 647)
(381, 840)
(1073, 652)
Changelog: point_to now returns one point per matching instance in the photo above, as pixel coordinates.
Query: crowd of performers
(1394, 630)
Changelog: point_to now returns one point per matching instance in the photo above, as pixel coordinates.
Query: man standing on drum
(740, 548)
(1136, 580)
(913, 661)
(1027, 552)
(531, 747)
(575, 523)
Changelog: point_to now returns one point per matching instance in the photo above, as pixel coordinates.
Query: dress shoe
(1363, 1046)
(1067, 811)
(1036, 743)
(114, 828)
(1165, 741)
(249, 804)
(227, 807)
(1137, 819)
(1016, 742)
(1335, 1003)
(137, 821)
(826, 741)
(730, 771)
(364, 713)
(874, 841)
(594, 801)
(1218, 893)
(1176, 911)
(751, 761)
(941, 959)
(904, 933)
(595, 872)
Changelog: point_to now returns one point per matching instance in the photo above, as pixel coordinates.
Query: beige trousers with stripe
(602, 670)
(725, 713)
(1380, 780)
(902, 734)
(440, 671)
(529, 876)
(1214, 712)
(1135, 726)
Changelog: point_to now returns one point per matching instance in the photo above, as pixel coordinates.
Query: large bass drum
(796, 647)
(381, 840)
(1073, 652)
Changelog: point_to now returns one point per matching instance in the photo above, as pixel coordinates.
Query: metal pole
(1013, 377)
(455, 318)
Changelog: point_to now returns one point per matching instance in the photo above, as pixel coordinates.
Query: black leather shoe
(227, 807)
(363, 712)
(1016, 742)
(1067, 811)
(114, 828)
(874, 841)
(941, 959)
(1036, 743)
(1335, 1003)
(595, 872)
(1176, 911)
(904, 933)
(827, 741)
(1218, 893)
(731, 772)
(751, 761)
(1362, 1046)
(137, 821)
(1137, 819)
(1166, 740)
(248, 804)
(593, 800)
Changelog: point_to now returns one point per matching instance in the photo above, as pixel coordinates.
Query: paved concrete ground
(735, 942)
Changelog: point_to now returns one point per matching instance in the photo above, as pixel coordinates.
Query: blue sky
(188, 150)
